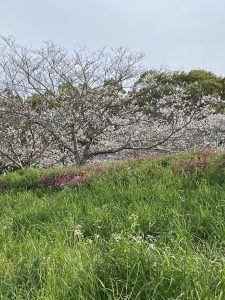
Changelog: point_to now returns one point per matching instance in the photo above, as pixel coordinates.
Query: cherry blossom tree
(68, 108)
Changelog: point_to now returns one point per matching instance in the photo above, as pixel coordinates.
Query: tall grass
(144, 232)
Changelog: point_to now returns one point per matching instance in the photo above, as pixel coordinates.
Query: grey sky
(178, 34)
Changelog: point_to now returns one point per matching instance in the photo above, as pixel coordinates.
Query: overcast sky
(178, 34)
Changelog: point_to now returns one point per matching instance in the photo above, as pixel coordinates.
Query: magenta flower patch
(61, 180)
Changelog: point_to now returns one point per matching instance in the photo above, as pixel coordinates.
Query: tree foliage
(68, 108)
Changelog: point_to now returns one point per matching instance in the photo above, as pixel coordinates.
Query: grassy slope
(93, 242)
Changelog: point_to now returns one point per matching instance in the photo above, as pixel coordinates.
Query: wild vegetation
(144, 228)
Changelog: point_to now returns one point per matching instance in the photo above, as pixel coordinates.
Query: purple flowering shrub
(62, 180)
(198, 162)
(80, 176)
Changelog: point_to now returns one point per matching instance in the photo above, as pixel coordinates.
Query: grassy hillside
(137, 229)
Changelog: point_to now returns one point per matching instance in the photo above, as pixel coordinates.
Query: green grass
(92, 242)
